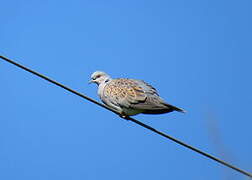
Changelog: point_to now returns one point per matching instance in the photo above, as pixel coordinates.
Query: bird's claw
(124, 116)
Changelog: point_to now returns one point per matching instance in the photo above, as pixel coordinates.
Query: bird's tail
(174, 108)
(164, 108)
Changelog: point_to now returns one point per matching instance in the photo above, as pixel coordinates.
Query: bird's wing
(124, 92)
(132, 93)
(138, 95)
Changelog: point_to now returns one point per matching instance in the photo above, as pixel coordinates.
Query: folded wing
(136, 94)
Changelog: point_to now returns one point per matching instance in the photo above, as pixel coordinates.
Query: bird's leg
(124, 116)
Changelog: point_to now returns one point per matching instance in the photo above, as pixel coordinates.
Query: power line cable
(131, 119)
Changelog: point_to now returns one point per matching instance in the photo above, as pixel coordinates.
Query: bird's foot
(124, 116)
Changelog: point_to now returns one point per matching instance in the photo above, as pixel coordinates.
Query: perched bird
(129, 97)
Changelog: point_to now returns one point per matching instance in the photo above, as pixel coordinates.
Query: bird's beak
(91, 81)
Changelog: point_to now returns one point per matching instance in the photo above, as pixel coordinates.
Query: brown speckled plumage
(129, 96)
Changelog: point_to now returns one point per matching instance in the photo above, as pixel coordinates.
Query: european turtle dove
(129, 97)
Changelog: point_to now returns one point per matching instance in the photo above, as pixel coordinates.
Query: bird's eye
(98, 76)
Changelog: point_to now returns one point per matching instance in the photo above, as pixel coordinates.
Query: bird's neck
(101, 86)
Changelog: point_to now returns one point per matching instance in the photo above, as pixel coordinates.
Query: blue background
(196, 53)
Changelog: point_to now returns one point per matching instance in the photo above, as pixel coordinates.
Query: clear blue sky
(196, 53)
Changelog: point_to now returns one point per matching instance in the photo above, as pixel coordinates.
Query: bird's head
(99, 77)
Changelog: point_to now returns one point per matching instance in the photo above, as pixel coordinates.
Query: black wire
(132, 119)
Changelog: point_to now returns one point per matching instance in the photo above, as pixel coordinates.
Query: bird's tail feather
(174, 108)
(163, 109)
